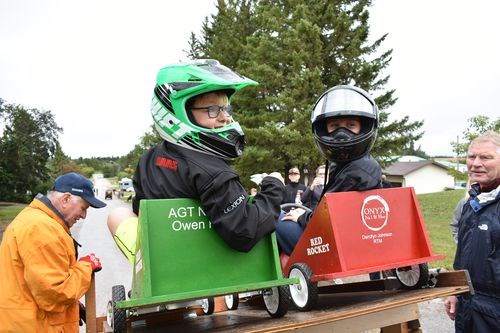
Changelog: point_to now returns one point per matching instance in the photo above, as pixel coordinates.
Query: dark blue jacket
(478, 248)
(478, 251)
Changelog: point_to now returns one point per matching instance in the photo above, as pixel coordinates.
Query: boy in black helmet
(344, 123)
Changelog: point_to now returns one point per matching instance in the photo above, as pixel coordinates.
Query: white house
(424, 176)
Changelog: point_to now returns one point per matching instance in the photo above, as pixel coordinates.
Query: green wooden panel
(180, 256)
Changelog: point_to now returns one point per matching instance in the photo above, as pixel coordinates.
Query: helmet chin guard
(175, 86)
(342, 145)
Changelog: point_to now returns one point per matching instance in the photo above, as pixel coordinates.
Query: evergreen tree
(296, 49)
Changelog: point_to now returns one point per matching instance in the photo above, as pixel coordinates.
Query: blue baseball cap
(77, 184)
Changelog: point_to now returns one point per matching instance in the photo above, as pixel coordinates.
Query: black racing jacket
(169, 171)
(478, 248)
(358, 175)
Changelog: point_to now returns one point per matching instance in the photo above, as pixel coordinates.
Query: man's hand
(451, 306)
(293, 215)
(83, 314)
(317, 181)
(94, 262)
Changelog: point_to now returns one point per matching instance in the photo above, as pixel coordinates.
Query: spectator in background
(42, 278)
(478, 248)
(385, 182)
(313, 192)
(294, 189)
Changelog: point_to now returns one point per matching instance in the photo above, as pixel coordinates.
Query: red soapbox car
(354, 233)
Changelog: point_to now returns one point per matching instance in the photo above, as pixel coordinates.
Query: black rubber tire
(232, 301)
(277, 301)
(208, 305)
(413, 277)
(304, 294)
(119, 316)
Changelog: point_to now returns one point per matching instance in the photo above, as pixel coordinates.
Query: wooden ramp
(354, 307)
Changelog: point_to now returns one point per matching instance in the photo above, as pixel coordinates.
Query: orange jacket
(41, 279)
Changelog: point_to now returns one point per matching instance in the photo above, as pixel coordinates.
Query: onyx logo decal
(374, 212)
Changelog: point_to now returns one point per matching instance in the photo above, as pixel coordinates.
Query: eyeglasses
(214, 110)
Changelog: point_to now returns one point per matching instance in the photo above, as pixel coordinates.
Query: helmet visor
(343, 102)
(220, 71)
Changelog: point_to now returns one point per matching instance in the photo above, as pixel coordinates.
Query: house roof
(404, 168)
(410, 158)
(453, 165)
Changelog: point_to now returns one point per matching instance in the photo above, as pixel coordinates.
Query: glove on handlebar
(94, 262)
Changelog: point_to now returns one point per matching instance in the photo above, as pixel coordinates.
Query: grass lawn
(437, 209)
(8, 211)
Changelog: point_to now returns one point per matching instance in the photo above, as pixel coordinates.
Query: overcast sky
(93, 63)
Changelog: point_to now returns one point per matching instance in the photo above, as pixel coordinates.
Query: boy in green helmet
(191, 112)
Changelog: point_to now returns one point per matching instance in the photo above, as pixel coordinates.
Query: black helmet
(343, 145)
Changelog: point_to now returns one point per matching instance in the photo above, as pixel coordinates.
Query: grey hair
(489, 136)
(54, 194)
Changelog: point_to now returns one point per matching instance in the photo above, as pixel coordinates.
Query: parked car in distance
(460, 185)
(125, 183)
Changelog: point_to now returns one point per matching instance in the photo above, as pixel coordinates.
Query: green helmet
(175, 86)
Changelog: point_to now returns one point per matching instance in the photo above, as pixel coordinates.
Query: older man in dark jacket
(478, 248)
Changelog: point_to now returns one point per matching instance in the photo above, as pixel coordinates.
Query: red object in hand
(94, 262)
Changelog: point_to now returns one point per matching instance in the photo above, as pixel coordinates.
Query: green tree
(477, 125)
(60, 164)
(129, 161)
(411, 150)
(29, 139)
(297, 49)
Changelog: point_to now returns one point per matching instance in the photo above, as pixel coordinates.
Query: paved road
(433, 318)
(94, 236)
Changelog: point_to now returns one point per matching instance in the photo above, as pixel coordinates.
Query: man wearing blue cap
(42, 280)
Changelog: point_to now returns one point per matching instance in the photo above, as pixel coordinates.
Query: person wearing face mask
(42, 277)
(344, 124)
(192, 112)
